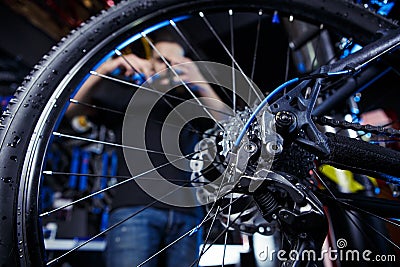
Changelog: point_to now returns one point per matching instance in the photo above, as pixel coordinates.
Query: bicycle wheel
(33, 119)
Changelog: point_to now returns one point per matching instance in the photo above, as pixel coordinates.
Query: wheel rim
(28, 196)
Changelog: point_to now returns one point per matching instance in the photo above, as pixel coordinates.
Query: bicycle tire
(27, 124)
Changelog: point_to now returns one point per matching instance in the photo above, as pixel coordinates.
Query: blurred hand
(187, 70)
(141, 65)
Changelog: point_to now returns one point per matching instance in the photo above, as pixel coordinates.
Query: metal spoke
(233, 63)
(110, 144)
(256, 43)
(223, 232)
(155, 91)
(99, 234)
(194, 51)
(197, 100)
(117, 184)
(52, 173)
(287, 66)
(376, 231)
(345, 212)
(215, 202)
(209, 231)
(76, 102)
(359, 218)
(190, 232)
(395, 70)
(362, 231)
(110, 228)
(211, 28)
(316, 52)
(118, 53)
(180, 80)
(349, 205)
(226, 233)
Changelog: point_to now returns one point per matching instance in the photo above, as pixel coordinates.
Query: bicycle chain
(379, 130)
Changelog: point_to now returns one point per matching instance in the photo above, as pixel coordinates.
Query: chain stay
(379, 130)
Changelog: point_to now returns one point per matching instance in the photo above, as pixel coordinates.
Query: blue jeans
(145, 234)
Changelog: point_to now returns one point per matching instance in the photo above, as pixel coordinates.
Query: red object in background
(72, 20)
(110, 3)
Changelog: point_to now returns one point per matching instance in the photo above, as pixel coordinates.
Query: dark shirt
(116, 96)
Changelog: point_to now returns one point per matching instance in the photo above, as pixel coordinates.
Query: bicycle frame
(358, 61)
